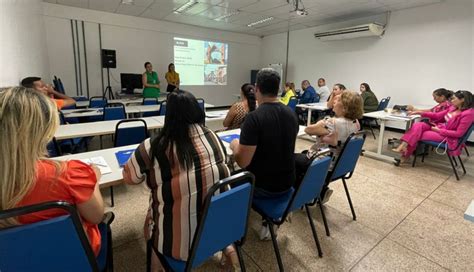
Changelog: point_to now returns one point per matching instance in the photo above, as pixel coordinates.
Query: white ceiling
(320, 12)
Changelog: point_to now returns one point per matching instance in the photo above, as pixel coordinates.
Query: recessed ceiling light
(225, 16)
(260, 22)
(128, 2)
(186, 6)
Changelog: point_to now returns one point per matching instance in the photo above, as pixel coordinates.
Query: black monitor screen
(130, 82)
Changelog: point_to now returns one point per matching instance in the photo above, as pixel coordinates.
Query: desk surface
(322, 106)
(128, 102)
(382, 115)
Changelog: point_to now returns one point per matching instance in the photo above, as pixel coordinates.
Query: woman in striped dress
(179, 166)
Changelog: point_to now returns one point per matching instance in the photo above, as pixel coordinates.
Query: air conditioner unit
(367, 30)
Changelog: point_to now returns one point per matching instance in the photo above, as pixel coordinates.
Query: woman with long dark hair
(236, 115)
(440, 96)
(179, 167)
(172, 78)
(371, 103)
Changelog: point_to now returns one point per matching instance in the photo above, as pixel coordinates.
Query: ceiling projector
(301, 12)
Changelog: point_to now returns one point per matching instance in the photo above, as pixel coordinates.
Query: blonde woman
(28, 120)
(289, 93)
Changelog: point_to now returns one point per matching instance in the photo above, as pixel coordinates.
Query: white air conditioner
(367, 30)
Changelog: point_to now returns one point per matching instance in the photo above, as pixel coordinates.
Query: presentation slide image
(215, 74)
(215, 53)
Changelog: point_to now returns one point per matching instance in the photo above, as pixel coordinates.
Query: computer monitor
(130, 82)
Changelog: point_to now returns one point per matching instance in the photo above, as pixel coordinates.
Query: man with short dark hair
(309, 95)
(267, 142)
(37, 84)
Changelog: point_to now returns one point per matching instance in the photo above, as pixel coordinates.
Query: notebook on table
(229, 138)
(100, 162)
(123, 156)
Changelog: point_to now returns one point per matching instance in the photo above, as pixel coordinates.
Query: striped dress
(177, 194)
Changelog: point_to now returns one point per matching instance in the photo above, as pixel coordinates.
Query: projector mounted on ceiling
(298, 7)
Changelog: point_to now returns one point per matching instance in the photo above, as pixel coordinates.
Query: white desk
(100, 128)
(109, 179)
(321, 106)
(383, 117)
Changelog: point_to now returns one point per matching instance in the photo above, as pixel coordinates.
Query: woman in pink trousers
(448, 125)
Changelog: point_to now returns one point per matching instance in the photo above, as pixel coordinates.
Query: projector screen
(200, 62)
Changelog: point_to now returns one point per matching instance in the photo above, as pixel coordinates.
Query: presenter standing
(151, 83)
(172, 78)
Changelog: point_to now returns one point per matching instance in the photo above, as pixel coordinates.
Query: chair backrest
(383, 103)
(61, 86)
(315, 98)
(201, 103)
(224, 218)
(126, 134)
(80, 98)
(347, 159)
(57, 244)
(293, 102)
(53, 148)
(56, 83)
(97, 102)
(465, 137)
(149, 101)
(312, 183)
(163, 107)
(114, 111)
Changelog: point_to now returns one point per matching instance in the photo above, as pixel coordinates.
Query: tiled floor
(407, 219)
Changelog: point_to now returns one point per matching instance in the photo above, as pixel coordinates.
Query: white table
(321, 106)
(383, 117)
(100, 128)
(109, 179)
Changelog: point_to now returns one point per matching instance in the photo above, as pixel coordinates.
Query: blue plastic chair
(97, 102)
(223, 221)
(74, 144)
(150, 101)
(54, 150)
(452, 159)
(344, 168)
(114, 111)
(383, 104)
(130, 135)
(293, 102)
(57, 244)
(201, 103)
(163, 108)
(275, 210)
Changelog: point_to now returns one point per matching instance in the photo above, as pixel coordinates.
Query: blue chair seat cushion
(273, 207)
(433, 143)
(175, 265)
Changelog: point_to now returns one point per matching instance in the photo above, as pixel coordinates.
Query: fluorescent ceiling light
(186, 6)
(260, 22)
(225, 16)
(128, 2)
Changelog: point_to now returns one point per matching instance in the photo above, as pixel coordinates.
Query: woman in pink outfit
(448, 125)
(441, 96)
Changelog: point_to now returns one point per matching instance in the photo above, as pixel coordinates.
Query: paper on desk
(214, 115)
(469, 214)
(100, 163)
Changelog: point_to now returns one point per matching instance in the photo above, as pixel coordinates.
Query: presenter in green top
(151, 83)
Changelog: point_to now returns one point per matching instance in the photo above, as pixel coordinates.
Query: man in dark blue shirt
(309, 94)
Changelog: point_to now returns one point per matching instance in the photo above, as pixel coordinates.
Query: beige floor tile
(372, 201)
(456, 193)
(439, 233)
(130, 256)
(390, 256)
(348, 243)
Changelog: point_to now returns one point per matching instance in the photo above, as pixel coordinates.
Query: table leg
(309, 118)
(378, 154)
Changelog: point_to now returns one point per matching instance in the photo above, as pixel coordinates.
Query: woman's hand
(410, 108)
(435, 128)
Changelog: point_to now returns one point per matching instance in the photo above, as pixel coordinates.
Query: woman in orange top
(28, 121)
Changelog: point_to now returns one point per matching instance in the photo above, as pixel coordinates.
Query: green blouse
(371, 103)
(151, 92)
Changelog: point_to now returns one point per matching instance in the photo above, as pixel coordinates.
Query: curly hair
(353, 105)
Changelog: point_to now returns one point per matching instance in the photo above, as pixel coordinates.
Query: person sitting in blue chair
(309, 94)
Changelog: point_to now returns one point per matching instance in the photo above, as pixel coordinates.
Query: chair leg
(462, 164)
(467, 151)
(241, 258)
(414, 160)
(100, 137)
(454, 168)
(349, 199)
(275, 246)
(110, 254)
(323, 215)
(112, 203)
(455, 161)
(315, 234)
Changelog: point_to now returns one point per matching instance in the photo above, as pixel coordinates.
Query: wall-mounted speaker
(108, 58)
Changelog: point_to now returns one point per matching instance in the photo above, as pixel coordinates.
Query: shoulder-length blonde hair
(353, 105)
(28, 121)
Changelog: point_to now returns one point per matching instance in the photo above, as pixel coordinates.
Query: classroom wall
(137, 40)
(23, 44)
(424, 48)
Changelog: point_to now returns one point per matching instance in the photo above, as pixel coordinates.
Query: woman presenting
(151, 83)
(172, 78)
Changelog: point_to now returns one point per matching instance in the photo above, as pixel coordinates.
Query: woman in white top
(332, 132)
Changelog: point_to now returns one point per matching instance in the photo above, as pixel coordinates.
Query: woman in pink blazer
(448, 125)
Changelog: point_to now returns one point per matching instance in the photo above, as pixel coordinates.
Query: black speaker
(253, 76)
(108, 58)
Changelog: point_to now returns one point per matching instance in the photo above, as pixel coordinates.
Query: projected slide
(200, 62)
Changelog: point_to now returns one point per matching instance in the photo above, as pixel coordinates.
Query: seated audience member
(309, 94)
(240, 109)
(267, 142)
(371, 103)
(323, 90)
(288, 93)
(60, 99)
(448, 125)
(332, 132)
(441, 96)
(28, 177)
(337, 89)
(182, 162)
